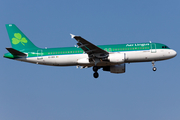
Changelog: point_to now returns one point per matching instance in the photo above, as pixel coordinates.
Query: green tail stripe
(18, 40)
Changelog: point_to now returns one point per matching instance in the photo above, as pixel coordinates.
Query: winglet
(72, 36)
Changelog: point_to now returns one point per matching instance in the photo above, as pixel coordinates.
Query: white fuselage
(82, 59)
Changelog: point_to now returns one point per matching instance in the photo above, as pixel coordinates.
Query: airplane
(111, 58)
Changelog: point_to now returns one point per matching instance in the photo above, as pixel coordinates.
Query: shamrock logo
(18, 38)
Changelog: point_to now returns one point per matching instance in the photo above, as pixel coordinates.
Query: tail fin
(18, 40)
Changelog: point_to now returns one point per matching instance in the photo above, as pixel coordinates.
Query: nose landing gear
(153, 64)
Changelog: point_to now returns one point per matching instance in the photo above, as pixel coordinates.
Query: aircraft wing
(89, 48)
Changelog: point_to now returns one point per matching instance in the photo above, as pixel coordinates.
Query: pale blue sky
(36, 92)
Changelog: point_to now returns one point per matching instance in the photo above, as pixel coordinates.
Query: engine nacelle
(116, 58)
(115, 68)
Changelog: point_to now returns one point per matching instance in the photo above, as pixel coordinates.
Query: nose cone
(173, 53)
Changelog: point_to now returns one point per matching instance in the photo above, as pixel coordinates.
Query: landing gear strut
(95, 69)
(153, 64)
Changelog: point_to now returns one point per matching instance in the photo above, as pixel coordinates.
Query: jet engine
(115, 68)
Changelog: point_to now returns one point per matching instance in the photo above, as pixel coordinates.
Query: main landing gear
(95, 69)
(153, 64)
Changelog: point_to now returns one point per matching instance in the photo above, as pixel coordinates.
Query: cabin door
(39, 55)
(153, 48)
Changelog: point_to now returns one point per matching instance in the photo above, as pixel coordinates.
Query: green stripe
(109, 48)
(74, 50)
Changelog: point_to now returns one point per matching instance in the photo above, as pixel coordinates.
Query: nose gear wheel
(154, 68)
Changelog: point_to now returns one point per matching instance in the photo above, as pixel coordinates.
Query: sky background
(36, 92)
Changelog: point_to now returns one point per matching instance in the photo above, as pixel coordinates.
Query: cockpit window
(165, 47)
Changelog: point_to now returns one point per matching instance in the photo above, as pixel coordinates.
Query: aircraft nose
(174, 53)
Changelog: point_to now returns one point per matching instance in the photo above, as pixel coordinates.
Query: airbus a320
(111, 58)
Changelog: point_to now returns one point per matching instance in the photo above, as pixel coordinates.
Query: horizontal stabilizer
(16, 52)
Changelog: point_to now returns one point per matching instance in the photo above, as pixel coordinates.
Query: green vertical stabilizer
(17, 38)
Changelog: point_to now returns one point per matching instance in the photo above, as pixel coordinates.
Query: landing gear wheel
(96, 75)
(154, 68)
(153, 64)
(95, 68)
